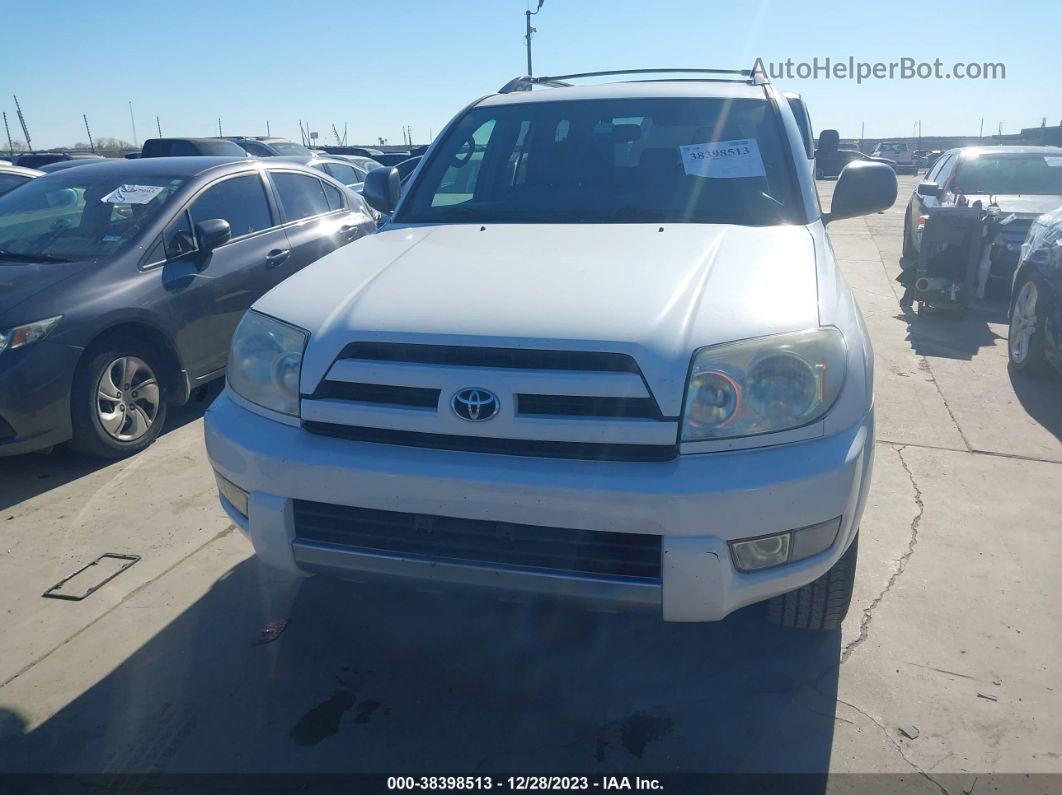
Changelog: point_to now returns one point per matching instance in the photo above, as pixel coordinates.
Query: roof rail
(525, 83)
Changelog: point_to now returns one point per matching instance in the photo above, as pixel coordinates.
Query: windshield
(1035, 174)
(288, 148)
(74, 215)
(611, 161)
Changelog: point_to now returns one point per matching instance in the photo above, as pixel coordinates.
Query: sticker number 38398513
(723, 159)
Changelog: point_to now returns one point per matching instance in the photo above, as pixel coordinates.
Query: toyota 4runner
(601, 350)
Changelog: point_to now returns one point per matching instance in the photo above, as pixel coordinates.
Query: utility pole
(530, 30)
(158, 126)
(22, 121)
(981, 134)
(862, 132)
(268, 134)
(410, 129)
(344, 134)
(132, 121)
(302, 134)
(335, 132)
(919, 133)
(88, 132)
(10, 145)
(219, 128)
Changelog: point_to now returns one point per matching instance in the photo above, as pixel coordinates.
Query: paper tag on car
(132, 194)
(723, 159)
(1054, 161)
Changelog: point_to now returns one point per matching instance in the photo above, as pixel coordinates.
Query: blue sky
(378, 66)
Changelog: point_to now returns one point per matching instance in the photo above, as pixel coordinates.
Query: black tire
(1034, 361)
(822, 604)
(910, 253)
(90, 436)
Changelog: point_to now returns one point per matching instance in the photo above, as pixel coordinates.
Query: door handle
(348, 230)
(277, 257)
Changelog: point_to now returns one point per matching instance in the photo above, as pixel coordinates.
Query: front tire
(118, 402)
(1025, 339)
(909, 251)
(821, 604)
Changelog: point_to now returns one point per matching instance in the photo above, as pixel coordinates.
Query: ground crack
(901, 564)
(896, 744)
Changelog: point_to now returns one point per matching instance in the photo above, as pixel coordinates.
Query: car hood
(1021, 204)
(655, 292)
(20, 281)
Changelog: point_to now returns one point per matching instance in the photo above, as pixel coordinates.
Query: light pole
(529, 13)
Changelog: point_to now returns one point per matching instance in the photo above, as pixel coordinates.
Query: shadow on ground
(399, 680)
(951, 334)
(1040, 397)
(25, 476)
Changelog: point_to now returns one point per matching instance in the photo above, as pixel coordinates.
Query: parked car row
(123, 281)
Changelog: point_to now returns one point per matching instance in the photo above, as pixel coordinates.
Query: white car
(602, 350)
(898, 152)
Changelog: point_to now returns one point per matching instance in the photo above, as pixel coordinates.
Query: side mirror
(863, 188)
(382, 188)
(828, 141)
(212, 233)
(928, 189)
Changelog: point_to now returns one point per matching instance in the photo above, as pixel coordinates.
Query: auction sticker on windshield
(132, 194)
(723, 159)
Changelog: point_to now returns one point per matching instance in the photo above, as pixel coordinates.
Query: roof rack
(525, 83)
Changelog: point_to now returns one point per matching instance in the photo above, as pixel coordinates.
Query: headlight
(763, 385)
(265, 362)
(27, 333)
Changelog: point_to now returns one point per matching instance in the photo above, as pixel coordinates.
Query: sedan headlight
(27, 333)
(763, 385)
(265, 362)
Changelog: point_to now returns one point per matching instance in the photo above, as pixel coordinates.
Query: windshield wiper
(14, 256)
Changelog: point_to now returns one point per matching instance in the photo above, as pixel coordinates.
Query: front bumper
(35, 384)
(695, 503)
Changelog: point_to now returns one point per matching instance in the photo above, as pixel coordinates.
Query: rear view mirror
(212, 233)
(863, 187)
(928, 189)
(382, 188)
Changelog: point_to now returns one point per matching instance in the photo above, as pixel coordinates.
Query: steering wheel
(470, 142)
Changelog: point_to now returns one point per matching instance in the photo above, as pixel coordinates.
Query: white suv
(601, 350)
(898, 152)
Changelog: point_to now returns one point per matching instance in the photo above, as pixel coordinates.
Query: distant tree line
(105, 145)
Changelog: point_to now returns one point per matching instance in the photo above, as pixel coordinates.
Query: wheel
(909, 251)
(1025, 340)
(118, 405)
(821, 604)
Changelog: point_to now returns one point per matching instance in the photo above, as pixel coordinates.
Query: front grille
(384, 394)
(511, 358)
(478, 542)
(590, 451)
(581, 406)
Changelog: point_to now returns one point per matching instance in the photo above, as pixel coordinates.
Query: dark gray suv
(121, 284)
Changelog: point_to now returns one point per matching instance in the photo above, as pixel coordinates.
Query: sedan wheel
(118, 403)
(127, 398)
(1025, 339)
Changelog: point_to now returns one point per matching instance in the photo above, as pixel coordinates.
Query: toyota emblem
(475, 404)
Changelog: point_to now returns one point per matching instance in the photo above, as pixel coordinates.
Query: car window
(180, 149)
(334, 197)
(81, 213)
(631, 160)
(300, 195)
(343, 173)
(9, 181)
(289, 149)
(931, 175)
(256, 148)
(178, 239)
(1031, 174)
(944, 174)
(239, 200)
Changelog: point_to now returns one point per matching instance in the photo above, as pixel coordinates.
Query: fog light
(808, 541)
(760, 553)
(236, 496)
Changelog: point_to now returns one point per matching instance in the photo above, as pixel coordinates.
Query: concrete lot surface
(954, 636)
